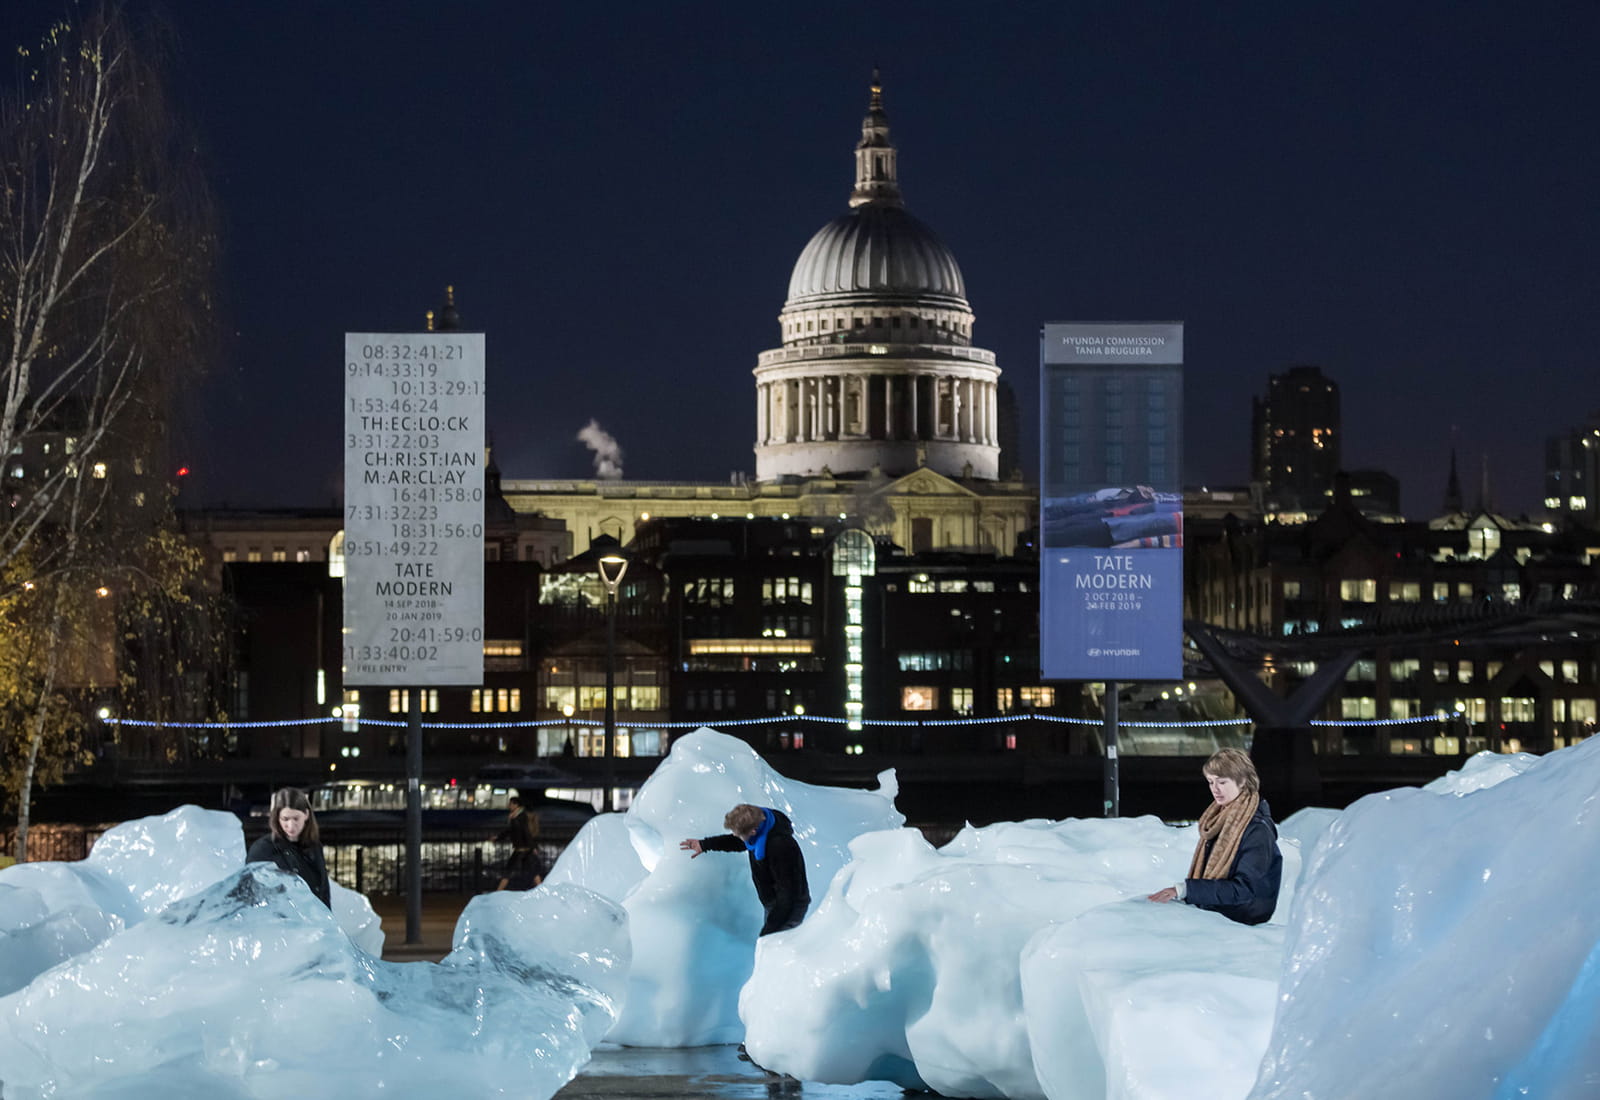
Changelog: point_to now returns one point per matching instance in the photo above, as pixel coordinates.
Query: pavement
(439, 915)
(642, 1073)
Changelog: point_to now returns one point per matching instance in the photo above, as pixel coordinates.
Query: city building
(1296, 442)
(1460, 618)
(1572, 474)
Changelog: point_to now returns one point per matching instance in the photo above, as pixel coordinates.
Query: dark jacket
(1250, 892)
(305, 861)
(524, 869)
(780, 878)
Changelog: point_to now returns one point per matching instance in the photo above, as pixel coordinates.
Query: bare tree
(106, 257)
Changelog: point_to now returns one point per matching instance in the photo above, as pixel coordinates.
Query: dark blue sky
(1404, 194)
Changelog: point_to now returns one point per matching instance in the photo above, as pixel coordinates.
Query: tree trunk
(41, 718)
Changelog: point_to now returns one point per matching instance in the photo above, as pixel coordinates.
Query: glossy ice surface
(250, 988)
(694, 920)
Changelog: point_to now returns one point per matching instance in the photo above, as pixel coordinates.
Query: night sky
(1403, 194)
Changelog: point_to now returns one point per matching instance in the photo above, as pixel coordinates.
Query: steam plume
(607, 454)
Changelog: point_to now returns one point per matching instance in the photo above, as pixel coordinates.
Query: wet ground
(715, 1073)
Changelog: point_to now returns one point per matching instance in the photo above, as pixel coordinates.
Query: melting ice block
(132, 871)
(694, 921)
(249, 989)
(1140, 1002)
(911, 970)
(1444, 941)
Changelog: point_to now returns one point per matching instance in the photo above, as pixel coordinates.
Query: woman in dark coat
(523, 869)
(777, 866)
(293, 843)
(1236, 869)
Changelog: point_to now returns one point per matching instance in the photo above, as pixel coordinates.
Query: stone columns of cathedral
(908, 406)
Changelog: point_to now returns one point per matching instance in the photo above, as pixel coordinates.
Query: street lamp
(612, 567)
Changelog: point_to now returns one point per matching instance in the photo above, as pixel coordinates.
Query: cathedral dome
(878, 249)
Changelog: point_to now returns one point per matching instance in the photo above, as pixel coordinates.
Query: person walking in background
(776, 864)
(293, 843)
(523, 870)
(1237, 868)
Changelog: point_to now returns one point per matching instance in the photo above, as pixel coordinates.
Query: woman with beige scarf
(1236, 868)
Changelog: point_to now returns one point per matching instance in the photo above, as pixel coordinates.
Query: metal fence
(454, 861)
(464, 861)
(60, 843)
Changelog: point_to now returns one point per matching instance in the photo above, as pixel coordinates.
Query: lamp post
(612, 567)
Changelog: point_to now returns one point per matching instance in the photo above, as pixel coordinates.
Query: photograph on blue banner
(1113, 517)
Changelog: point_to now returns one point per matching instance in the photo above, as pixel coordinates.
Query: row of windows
(922, 584)
(1365, 590)
(1512, 709)
(849, 321)
(719, 591)
(915, 697)
(785, 590)
(588, 698)
(935, 660)
(480, 701)
(277, 553)
(1463, 672)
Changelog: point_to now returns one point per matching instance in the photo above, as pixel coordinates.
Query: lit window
(99, 469)
(1037, 696)
(961, 700)
(1358, 591)
(919, 698)
(1358, 708)
(336, 555)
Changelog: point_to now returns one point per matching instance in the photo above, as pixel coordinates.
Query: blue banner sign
(1111, 501)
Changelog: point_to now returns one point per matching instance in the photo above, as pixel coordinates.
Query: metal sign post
(1113, 776)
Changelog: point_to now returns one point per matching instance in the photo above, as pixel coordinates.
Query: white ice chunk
(20, 906)
(1481, 771)
(64, 885)
(1135, 1001)
(694, 921)
(249, 989)
(1305, 828)
(162, 859)
(1443, 944)
(910, 969)
(354, 914)
(138, 867)
(600, 858)
(28, 951)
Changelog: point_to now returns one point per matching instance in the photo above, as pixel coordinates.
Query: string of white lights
(587, 723)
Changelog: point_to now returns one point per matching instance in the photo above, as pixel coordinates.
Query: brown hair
(742, 818)
(293, 798)
(1235, 765)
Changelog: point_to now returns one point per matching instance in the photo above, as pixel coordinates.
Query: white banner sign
(413, 509)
